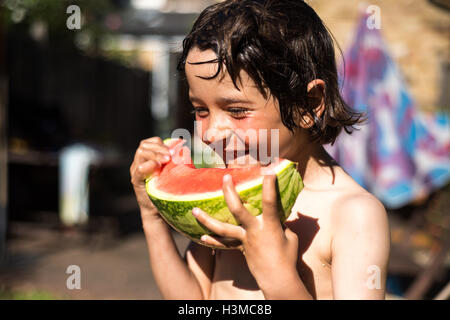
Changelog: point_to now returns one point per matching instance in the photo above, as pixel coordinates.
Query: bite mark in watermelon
(179, 187)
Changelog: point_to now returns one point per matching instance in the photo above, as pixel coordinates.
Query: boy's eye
(200, 112)
(238, 113)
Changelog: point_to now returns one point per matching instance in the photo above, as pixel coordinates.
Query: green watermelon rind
(178, 214)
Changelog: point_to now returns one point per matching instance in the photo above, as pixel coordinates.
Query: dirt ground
(111, 267)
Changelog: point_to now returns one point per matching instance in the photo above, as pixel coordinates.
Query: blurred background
(82, 82)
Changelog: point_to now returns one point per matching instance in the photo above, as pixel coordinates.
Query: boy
(263, 64)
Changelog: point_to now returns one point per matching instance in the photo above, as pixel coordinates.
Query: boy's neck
(315, 166)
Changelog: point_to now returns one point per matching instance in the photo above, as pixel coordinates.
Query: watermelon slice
(180, 186)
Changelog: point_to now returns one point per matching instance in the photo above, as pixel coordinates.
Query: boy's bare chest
(233, 280)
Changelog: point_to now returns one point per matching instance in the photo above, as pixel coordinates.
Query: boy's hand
(149, 157)
(267, 247)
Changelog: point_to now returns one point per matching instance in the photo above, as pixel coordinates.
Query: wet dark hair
(283, 45)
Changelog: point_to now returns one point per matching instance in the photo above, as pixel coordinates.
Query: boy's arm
(360, 249)
(175, 279)
(200, 261)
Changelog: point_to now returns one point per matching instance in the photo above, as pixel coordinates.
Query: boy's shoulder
(354, 209)
(340, 215)
(343, 202)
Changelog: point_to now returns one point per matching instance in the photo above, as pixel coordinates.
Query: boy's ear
(316, 102)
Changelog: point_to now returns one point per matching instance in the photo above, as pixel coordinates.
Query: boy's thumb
(291, 236)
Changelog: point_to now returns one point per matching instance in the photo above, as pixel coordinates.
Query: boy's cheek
(200, 126)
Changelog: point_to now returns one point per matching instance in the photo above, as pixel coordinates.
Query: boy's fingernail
(195, 212)
(143, 167)
(267, 171)
(203, 238)
(226, 178)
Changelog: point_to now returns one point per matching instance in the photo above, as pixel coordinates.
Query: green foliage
(26, 295)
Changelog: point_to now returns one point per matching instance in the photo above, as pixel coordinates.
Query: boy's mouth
(234, 155)
(239, 158)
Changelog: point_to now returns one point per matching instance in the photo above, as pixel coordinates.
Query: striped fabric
(400, 154)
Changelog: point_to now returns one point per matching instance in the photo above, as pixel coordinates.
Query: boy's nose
(213, 135)
(218, 129)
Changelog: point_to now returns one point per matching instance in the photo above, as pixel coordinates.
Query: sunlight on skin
(222, 109)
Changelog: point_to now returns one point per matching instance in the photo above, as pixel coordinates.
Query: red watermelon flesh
(176, 173)
(179, 187)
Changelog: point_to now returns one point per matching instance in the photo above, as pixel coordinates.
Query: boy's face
(224, 113)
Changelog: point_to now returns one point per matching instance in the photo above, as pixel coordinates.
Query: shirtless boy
(263, 64)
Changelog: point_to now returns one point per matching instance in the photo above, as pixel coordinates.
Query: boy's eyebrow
(195, 99)
(222, 100)
(230, 100)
